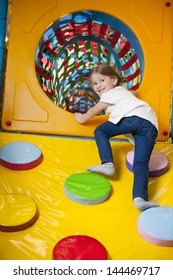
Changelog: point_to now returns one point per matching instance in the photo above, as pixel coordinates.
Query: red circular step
(79, 247)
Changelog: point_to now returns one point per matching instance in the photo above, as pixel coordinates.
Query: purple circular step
(158, 163)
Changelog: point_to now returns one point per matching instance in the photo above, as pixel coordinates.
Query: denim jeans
(144, 133)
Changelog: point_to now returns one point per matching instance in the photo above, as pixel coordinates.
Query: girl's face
(102, 83)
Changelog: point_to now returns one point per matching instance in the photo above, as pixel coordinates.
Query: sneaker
(142, 204)
(105, 168)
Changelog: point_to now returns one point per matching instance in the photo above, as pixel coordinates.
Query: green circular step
(87, 188)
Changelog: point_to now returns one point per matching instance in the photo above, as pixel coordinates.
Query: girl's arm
(92, 112)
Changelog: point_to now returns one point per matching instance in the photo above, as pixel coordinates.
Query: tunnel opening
(73, 45)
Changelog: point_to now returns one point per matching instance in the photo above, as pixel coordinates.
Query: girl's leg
(102, 134)
(144, 144)
(143, 150)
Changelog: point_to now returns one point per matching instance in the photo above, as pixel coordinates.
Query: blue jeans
(144, 133)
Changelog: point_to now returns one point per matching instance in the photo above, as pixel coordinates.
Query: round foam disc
(156, 225)
(158, 163)
(20, 155)
(18, 212)
(79, 247)
(87, 188)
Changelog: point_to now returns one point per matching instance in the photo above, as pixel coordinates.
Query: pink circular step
(158, 163)
(20, 155)
(79, 247)
(156, 225)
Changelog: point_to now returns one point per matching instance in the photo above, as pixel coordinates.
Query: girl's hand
(79, 117)
(92, 112)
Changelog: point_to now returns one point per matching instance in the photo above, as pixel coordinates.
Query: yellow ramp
(113, 222)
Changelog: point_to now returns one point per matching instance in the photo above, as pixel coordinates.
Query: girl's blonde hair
(107, 70)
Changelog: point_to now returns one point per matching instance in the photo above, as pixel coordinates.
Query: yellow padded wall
(26, 107)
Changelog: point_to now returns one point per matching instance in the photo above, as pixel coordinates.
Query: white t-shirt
(124, 104)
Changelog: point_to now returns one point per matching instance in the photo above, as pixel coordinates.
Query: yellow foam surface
(113, 222)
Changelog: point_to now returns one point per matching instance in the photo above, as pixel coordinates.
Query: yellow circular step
(17, 212)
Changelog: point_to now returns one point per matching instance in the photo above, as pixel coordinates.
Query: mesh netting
(73, 46)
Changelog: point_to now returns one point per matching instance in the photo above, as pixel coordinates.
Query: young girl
(127, 115)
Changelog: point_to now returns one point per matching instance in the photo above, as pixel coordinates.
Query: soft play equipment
(79, 247)
(61, 43)
(158, 163)
(20, 155)
(87, 188)
(156, 225)
(52, 48)
(18, 212)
